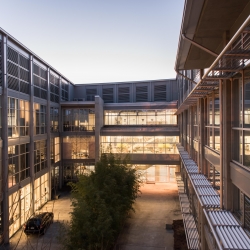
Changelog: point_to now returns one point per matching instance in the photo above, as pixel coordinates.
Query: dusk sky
(95, 41)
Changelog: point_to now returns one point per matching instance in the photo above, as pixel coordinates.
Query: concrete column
(192, 133)
(202, 129)
(235, 146)
(5, 143)
(32, 125)
(221, 142)
(226, 154)
(48, 134)
(60, 138)
(185, 128)
(205, 120)
(98, 125)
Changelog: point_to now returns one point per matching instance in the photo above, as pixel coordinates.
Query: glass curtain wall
(140, 144)
(241, 129)
(40, 155)
(18, 117)
(19, 208)
(78, 119)
(41, 191)
(140, 117)
(39, 119)
(213, 126)
(79, 147)
(156, 173)
(18, 160)
(54, 120)
(73, 170)
(55, 150)
(54, 180)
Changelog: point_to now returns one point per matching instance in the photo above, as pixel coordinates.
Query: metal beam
(200, 46)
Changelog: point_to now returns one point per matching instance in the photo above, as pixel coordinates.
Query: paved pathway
(146, 229)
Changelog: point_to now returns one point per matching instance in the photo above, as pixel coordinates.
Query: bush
(101, 202)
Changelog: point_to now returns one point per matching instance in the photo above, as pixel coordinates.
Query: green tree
(101, 202)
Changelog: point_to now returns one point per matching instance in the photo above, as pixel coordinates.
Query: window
(54, 150)
(140, 144)
(24, 118)
(54, 119)
(12, 117)
(213, 126)
(140, 117)
(78, 147)
(18, 117)
(40, 82)
(40, 155)
(18, 161)
(54, 88)
(39, 119)
(78, 119)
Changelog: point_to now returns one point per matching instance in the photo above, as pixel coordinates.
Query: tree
(101, 202)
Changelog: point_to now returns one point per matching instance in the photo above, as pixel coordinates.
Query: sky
(97, 41)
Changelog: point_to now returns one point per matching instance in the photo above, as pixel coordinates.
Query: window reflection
(72, 171)
(216, 111)
(140, 117)
(140, 144)
(18, 117)
(78, 119)
(78, 147)
(247, 103)
(39, 119)
(246, 148)
(217, 139)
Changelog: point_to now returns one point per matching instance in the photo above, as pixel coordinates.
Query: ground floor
(157, 206)
(33, 196)
(26, 200)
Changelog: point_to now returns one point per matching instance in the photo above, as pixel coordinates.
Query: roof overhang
(206, 23)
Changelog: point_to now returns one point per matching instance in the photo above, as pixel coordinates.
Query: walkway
(146, 229)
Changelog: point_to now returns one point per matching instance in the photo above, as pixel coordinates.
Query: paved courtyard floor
(146, 228)
(61, 209)
(157, 206)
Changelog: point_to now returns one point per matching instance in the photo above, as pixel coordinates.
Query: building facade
(52, 130)
(213, 77)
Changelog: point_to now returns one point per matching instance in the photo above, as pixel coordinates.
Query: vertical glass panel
(160, 117)
(217, 139)
(132, 115)
(142, 117)
(151, 118)
(196, 132)
(161, 139)
(195, 115)
(246, 148)
(247, 102)
(241, 101)
(210, 111)
(211, 138)
(217, 110)
(106, 118)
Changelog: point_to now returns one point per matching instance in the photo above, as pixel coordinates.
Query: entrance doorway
(157, 173)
